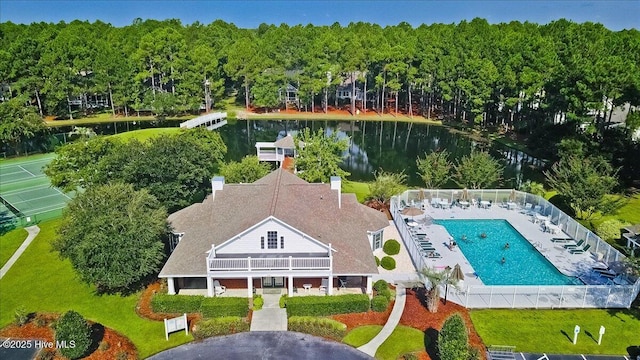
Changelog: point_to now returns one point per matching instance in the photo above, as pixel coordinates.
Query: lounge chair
(561, 240)
(526, 209)
(580, 251)
(574, 246)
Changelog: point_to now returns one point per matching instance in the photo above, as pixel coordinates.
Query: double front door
(271, 281)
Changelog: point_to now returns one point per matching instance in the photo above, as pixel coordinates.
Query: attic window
(272, 239)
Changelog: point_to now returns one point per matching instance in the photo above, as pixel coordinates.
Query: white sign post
(576, 331)
(601, 333)
(175, 324)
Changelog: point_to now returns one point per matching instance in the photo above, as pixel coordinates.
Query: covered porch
(278, 285)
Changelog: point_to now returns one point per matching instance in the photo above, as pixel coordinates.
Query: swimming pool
(523, 264)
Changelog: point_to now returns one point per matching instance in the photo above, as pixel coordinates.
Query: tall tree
(477, 171)
(319, 155)
(113, 235)
(583, 182)
(246, 171)
(18, 122)
(434, 169)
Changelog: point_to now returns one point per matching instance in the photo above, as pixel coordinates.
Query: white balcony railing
(259, 264)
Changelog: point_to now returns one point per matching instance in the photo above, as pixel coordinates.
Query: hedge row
(219, 326)
(224, 306)
(327, 305)
(176, 304)
(323, 327)
(208, 307)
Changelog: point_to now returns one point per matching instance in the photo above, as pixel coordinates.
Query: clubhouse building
(279, 233)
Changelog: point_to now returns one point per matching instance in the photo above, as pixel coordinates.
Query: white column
(290, 285)
(369, 285)
(209, 286)
(250, 287)
(330, 287)
(171, 285)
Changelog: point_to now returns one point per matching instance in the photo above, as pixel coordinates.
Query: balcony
(261, 264)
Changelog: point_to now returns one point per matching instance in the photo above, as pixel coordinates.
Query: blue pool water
(523, 265)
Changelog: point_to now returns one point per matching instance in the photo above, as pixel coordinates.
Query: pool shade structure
(457, 273)
(411, 211)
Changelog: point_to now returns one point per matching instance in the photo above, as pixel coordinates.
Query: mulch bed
(367, 318)
(108, 344)
(417, 316)
(143, 309)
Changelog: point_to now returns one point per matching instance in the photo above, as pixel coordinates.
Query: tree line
(516, 74)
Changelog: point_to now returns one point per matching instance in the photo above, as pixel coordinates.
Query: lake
(392, 146)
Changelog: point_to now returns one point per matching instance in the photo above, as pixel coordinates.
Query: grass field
(108, 118)
(402, 340)
(551, 331)
(41, 281)
(10, 242)
(361, 189)
(145, 134)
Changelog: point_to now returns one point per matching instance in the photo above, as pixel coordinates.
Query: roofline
(272, 218)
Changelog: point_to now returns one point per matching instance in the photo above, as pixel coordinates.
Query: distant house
(279, 232)
(289, 96)
(277, 151)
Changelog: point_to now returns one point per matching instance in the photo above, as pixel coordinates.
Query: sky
(615, 15)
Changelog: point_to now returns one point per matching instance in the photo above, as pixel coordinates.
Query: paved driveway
(264, 345)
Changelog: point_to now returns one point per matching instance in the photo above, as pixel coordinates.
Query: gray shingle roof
(310, 208)
(285, 142)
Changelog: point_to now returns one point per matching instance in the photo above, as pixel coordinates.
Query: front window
(377, 240)
(272, 239)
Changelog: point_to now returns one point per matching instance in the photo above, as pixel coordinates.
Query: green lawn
(10, 242)
(108, 118)
(544, 330)
(361, 335)
(361, 189)
(145, 134)
(402, 340)
(40, 281)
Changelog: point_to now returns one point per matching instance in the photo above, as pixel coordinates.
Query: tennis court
(26, 193)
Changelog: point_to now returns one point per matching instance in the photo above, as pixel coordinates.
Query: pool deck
(569, 264)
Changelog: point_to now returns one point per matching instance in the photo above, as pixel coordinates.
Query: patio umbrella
(457, 273)
(411, 211)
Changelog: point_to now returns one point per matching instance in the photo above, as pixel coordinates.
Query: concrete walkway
(372, 346)
(271, 317)
(33, 232)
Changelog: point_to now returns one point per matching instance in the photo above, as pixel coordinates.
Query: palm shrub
(453, 342)
(391, 247)
(432, 280)
(75, 332)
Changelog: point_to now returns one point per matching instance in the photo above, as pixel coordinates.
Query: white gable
(251, 241)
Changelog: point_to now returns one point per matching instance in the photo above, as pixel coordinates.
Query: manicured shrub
(610, 230)
(379, 303)
(283, 301)
(323, 327)
(327, 305)
(75, 332)
(388, 263)
(391, 247)
(224, 306)
(453, 340)
(382, 288)
(380, 285)
(258, 302)
(176, 304)
(219, 326)
(377, 261)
